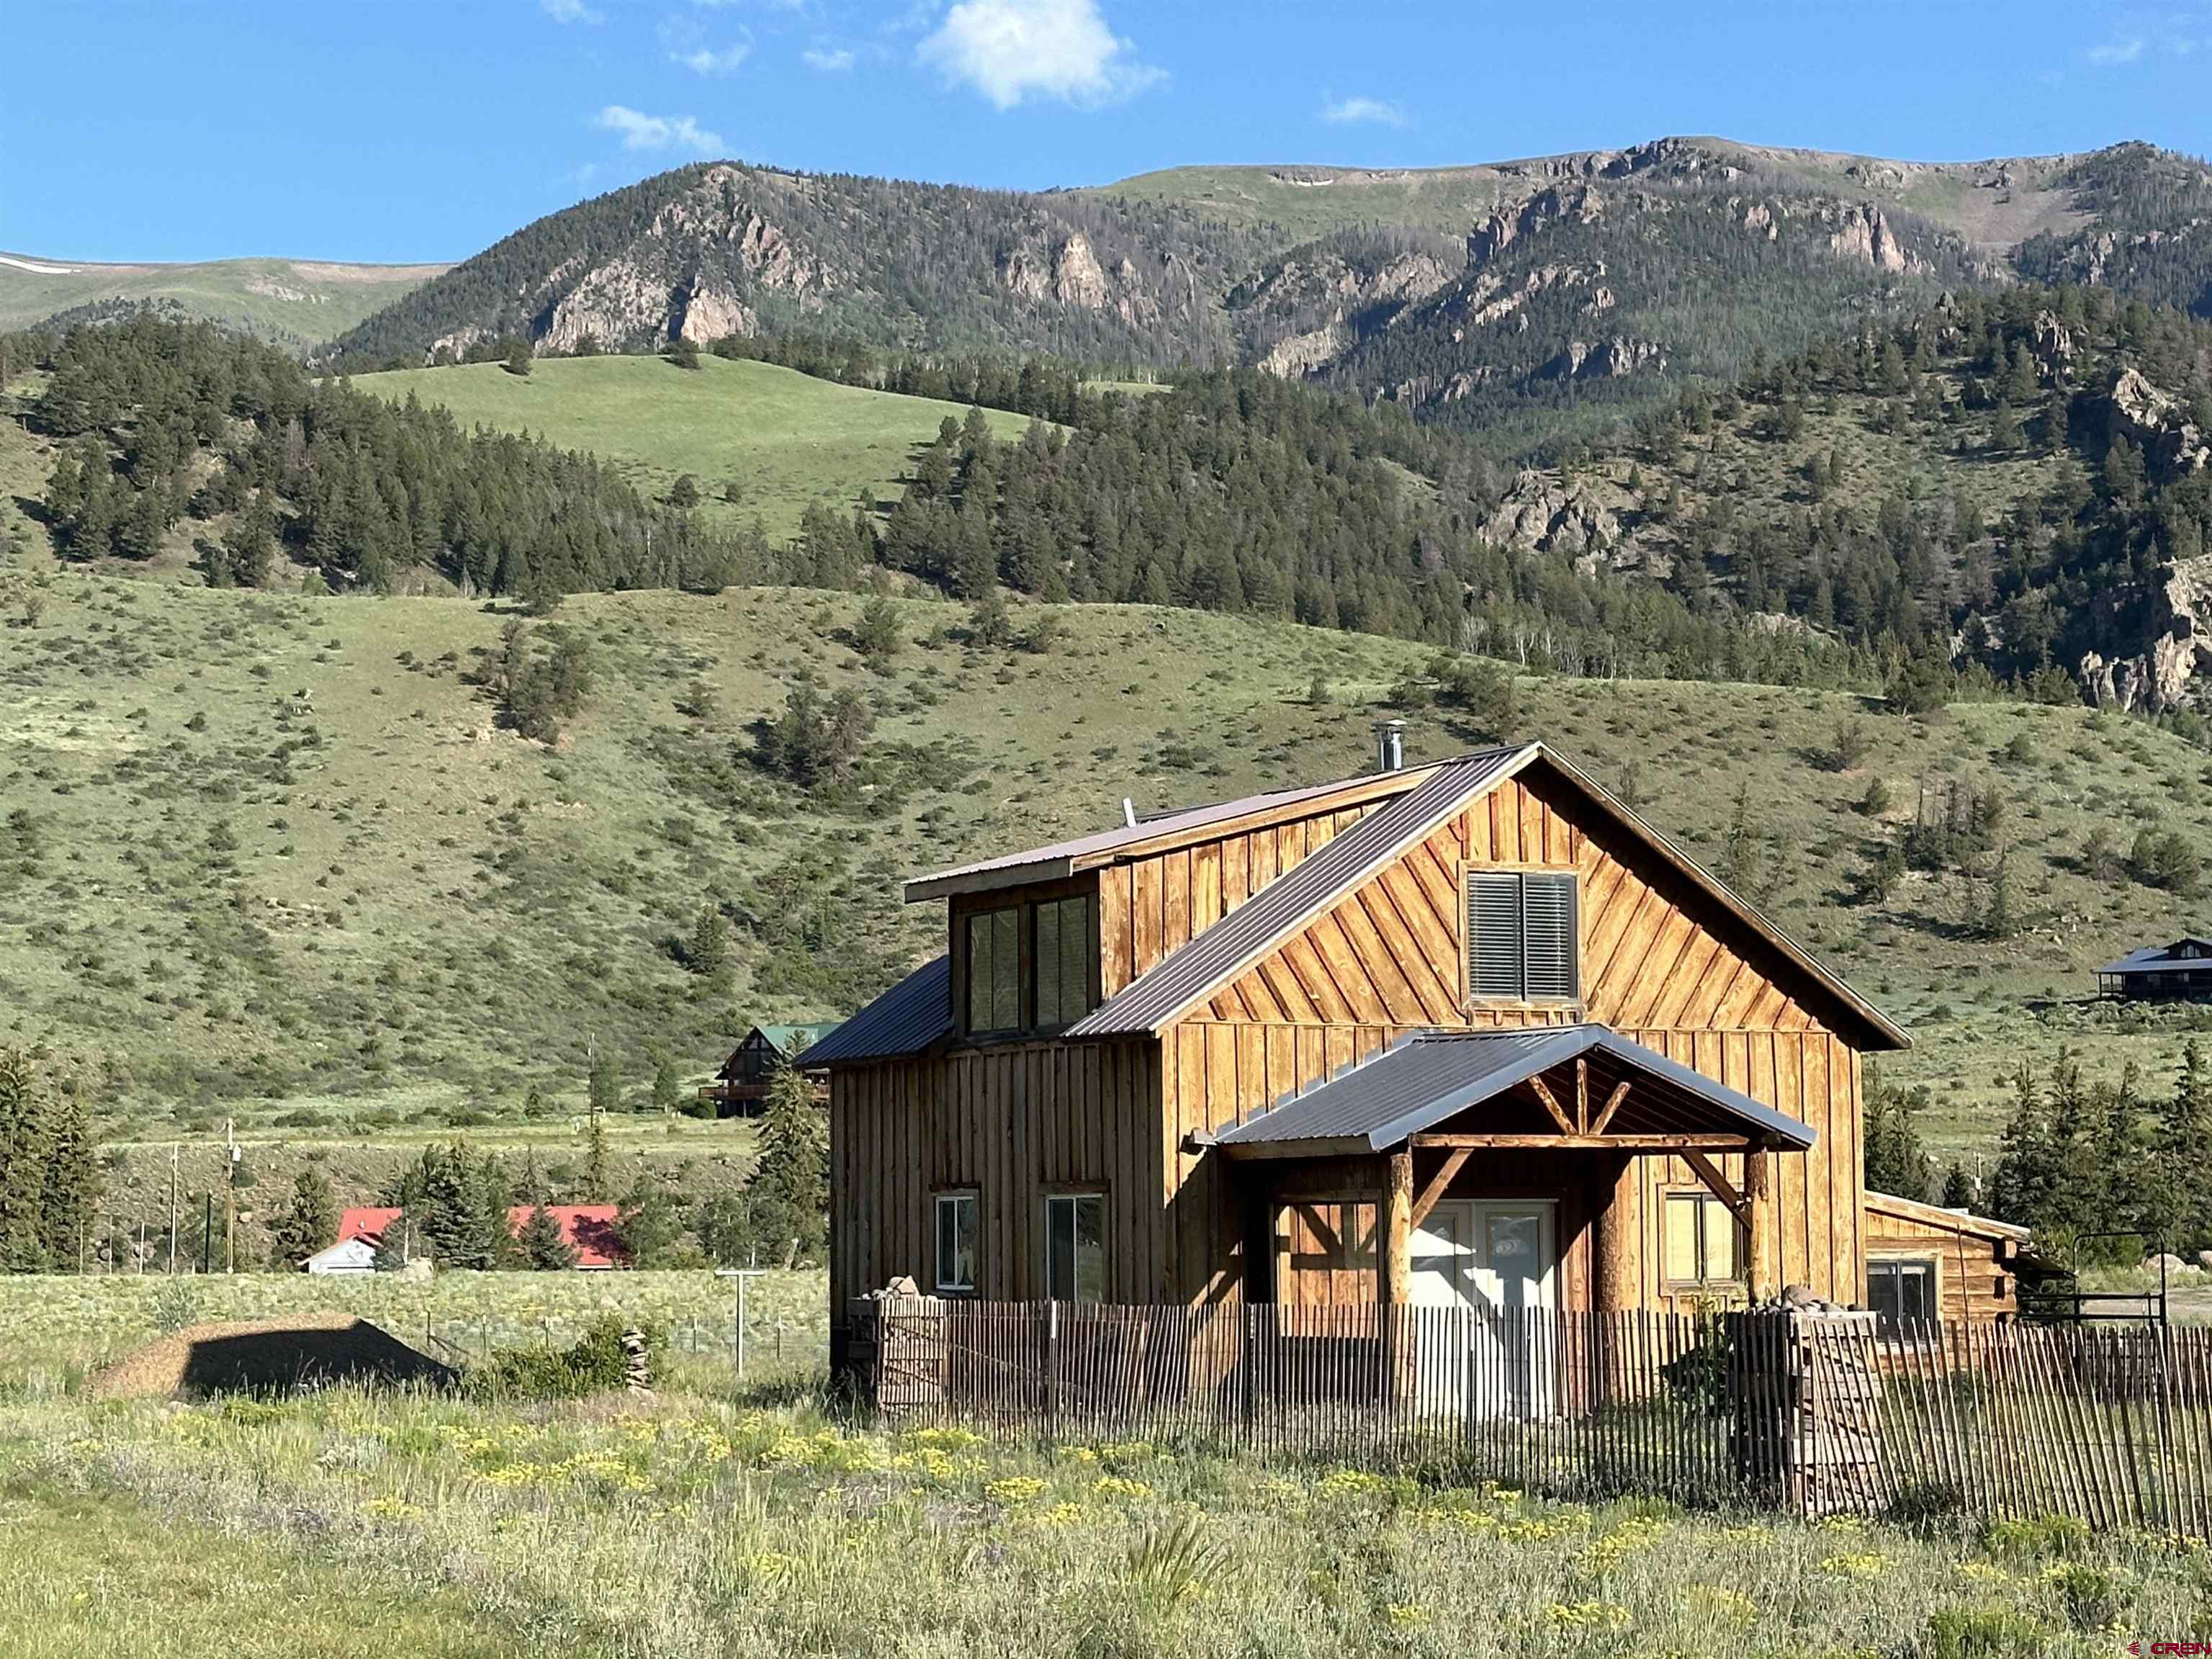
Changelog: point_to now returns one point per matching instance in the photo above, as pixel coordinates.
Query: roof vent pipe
(1389, 746)
(1129, 813)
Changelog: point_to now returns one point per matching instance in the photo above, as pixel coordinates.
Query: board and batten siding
(1014, 1122)
(1661, 963)
(1975, 1276)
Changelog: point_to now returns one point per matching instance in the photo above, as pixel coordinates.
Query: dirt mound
(266, 1356)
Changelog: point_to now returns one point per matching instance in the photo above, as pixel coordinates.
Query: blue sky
(408, 130)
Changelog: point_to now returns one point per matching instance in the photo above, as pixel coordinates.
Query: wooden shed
(1926, 1262)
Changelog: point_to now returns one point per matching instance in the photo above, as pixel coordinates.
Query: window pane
(1076, 954)
(1059, 1249)
(1881, 1295)
(1548, 934)
(1048, 965)
(1915, 1294)
(1682, 1242)
(1493, 933)
(1090, 1248)
(1006, 970)
(1720, 1240)
(955, 1242)
(979, 973)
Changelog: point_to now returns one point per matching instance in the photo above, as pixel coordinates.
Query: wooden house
(741, 1084)
(1463, 1032)
(2183, 968)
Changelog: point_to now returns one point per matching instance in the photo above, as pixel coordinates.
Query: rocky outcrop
(2173, 614)
(1510, 223)
(1078, 279)
(2054, 343)
(712, 311)
(2154, 423)
(1302, 353)
(1351, 302)
(1540, 515)
(1864, 234)
(1619, 355)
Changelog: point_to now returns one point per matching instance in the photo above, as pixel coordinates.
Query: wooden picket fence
(1814, 1412)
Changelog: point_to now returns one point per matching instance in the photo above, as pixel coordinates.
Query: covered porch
(1498, 1172)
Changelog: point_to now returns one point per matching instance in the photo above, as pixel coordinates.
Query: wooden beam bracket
(1440, 1181)
(1612, 1105)
(1550, 1103)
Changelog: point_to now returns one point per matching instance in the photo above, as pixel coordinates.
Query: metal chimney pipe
(1389, 746)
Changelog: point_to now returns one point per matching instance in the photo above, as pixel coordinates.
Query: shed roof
(1938, 1215)
(1418, 1082)
(906, 1019)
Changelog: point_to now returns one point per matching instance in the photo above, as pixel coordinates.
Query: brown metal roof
(1253, 927)
(906, 1019)
(1064, 857)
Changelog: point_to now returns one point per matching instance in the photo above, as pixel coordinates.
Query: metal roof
(814, 1031)
(1420, 1081)
(1065, 857)
(2161, 959)
(1246, 933)
(905, 1020)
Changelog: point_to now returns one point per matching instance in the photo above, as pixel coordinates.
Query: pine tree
(647, 1223)
(1896, 1161)
(2021, 1187)
(789, 1192)
(667, 1084)
(707, 953)
(2182, 1143)
(26, 1140)
(311, 1225)
(598, 1180)
(1958, 1190)
(544, 1247)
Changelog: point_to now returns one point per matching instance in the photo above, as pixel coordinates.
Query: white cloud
(2125, 50)
(710, 60)
(676, 132)
(829, 62)
(1013, 49)
(571, 11)
(1344, 111)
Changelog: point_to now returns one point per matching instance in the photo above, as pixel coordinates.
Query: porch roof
(1420, 1081)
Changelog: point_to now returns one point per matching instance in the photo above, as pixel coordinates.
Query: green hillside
(257, 851)
(297, 303)
(783, 438)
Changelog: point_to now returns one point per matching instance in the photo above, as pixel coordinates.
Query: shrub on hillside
(593, 1364)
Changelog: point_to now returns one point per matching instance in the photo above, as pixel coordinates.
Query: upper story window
(994, 969)
(1520, 936)
(1032, 966)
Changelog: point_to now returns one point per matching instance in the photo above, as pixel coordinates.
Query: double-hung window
(1520, 936)
(1700, 1240)
(994, 969)
(956, 1218)
(1075, 1247)
(1902, 1293)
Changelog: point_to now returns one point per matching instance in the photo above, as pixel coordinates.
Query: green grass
(424, 912)
(728, 1518)
(784, 438)
(293, 303)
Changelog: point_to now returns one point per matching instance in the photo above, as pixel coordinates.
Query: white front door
(1495, 1261)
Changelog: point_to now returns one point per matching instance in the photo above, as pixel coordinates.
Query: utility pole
(230, 1201)
(172, 1210)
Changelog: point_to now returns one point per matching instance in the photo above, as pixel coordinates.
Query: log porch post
(1398, 1228)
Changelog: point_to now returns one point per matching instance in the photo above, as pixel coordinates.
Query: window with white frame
(1075, 1247)
(1520, 936)
(957, 1218)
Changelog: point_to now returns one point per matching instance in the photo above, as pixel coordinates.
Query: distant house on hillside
(742, 1085)
(589, 1229)
(2183, 968)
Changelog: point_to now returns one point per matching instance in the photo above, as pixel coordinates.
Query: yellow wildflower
(1015, 1489)
(1867, 1563)
(1586, 1615)
(1407, 1614)
(1114, 1485)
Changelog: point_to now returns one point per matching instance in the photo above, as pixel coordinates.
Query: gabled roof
(1420, 1081)
(2162, 959)
(367, 1223)
(781, 1037)
(1195, 971)
(1161, 834)
(906, 1019)
(589, 1229)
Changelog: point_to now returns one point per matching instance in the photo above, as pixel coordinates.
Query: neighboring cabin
(1465, 1032)
(742, 1085)
(589, 1230)
(1926, 1262)
(2183, 968)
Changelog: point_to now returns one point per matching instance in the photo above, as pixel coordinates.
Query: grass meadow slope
(292, 303)
(781, 438)
(260, 853)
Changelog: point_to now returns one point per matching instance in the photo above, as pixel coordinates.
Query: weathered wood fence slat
(1816, 1413)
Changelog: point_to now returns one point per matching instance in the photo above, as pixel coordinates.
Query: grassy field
(743, 1518)
(293, 303)
(373, 902)
(785, 439)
